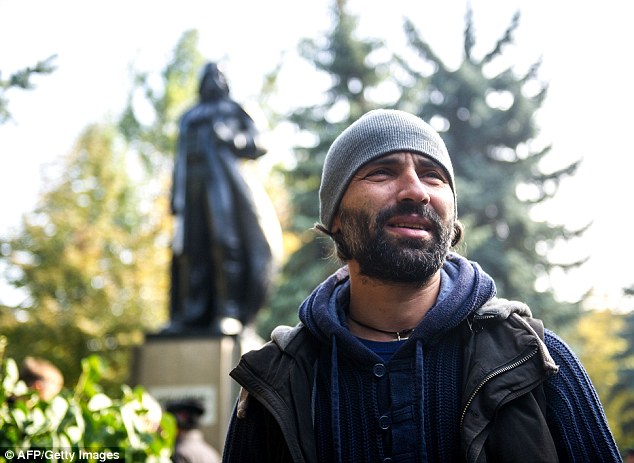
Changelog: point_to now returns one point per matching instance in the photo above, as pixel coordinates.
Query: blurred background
(531, 98)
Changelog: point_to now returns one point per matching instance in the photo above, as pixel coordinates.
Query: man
(405, 354)
(190, 446)
(42, 376)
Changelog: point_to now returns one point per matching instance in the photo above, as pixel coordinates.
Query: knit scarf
(408, 408)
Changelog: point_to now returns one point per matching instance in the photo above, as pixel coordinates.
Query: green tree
(21, 79)
(87, 261)
(354, 70)
(487, 119)
(149, 121)
(597, 338)
(621, 396)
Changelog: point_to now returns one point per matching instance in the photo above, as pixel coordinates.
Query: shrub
(84, 419)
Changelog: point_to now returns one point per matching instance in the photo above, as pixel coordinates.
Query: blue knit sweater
(408, 408)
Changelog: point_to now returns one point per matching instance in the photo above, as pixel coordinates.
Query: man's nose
(412, 188)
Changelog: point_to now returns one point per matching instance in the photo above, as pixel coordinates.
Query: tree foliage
(87, 262)
(486, 112)
(603, 341)
(621, 394)
(149, 121)
(21, 79)
(597, 342)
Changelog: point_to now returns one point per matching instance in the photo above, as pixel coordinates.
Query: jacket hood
(464, 288)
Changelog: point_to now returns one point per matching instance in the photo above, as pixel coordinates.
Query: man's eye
(433, 174)
(378, 172)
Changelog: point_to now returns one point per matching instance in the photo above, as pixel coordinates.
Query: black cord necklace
(400, 335)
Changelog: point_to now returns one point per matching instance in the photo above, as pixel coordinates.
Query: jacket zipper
(492, 375)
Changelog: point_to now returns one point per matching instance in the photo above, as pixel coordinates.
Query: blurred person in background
(190, 446)
(42, 376)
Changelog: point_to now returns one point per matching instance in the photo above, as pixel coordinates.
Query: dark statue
(221, 265)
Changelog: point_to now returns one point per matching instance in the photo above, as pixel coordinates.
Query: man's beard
(391, 259)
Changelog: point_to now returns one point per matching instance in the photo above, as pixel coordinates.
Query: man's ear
(336, 225)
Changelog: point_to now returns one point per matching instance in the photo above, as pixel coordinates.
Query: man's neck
(387, 306)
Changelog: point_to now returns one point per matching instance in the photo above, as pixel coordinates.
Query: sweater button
(379, 370)
(387, 460)
(384, 422)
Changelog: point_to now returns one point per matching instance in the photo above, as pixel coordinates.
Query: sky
(583, 46)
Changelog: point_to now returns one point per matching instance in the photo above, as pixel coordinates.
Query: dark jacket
(277, 416)
(281, 375)
(503, 406)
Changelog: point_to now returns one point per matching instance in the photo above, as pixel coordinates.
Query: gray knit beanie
(375, 134)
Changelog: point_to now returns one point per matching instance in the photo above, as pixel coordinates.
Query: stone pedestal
(180, 367)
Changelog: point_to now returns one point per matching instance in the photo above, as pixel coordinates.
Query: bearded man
(406, 354)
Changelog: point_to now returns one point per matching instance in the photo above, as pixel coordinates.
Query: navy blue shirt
(384, 349)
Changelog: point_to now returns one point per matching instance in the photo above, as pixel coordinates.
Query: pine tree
(488, 123)
(350, 64)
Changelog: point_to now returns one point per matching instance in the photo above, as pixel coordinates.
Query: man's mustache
(421, 210)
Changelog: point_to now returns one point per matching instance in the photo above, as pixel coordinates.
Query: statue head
(213, 84)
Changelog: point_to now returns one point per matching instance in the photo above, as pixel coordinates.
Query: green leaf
(11, 375)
